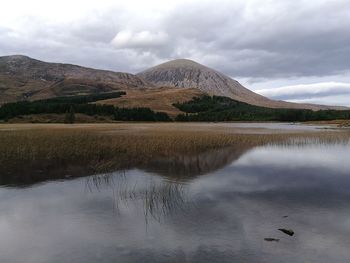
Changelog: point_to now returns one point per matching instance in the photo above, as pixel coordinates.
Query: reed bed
(101, 151)
(78, 144)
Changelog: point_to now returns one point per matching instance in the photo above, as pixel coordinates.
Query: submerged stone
(271, 239)
(289, 232)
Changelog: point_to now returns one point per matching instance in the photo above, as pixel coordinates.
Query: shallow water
(276, 126)
(214, 207)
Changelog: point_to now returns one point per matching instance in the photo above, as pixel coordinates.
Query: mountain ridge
(25, 78)
(185, 73)
(26, 66)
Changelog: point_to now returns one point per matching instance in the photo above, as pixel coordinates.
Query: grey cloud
(310, 90)
(141, 39)
(339, 100)
(95, 32)
(337, 93)
(295, 39)
(243, 39)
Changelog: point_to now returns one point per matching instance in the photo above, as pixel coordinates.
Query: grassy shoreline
(53, 151)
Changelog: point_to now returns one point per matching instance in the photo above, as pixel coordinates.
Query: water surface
(213, 207)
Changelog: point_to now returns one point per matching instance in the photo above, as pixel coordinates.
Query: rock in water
(271, 239)
(289, 232)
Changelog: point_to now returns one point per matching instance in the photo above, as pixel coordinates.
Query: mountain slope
(23, 78)
(184, 73)
(157, 99)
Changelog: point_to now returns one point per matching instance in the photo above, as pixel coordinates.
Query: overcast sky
(292, 50)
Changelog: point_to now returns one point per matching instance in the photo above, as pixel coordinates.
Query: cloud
(143, 39)
(336, 100)
(307, 90)
(336, 93)
(284, 40)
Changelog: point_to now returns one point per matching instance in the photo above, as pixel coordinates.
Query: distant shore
(157, 127)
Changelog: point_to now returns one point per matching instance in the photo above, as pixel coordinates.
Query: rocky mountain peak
(185, 73)
(180, 63)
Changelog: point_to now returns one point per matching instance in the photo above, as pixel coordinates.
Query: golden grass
(157, 99)
(105, 148)
(98, 142)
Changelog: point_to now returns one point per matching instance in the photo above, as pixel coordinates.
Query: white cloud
(337, 93)
(264, 46)
(312, 90)
(142, 39)
(336, 100)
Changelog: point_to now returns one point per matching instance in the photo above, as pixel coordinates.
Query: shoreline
(220, 127)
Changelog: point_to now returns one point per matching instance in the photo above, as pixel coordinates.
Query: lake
(214, 206)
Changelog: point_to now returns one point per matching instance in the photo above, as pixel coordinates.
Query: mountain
(24, 78)
(184, 73)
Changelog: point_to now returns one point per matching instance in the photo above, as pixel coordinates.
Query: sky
(292, 50)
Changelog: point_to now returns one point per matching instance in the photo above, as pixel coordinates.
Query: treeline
(216, 108)
(80, 104)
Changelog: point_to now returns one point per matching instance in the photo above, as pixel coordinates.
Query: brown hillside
(24, 78)
(157, 99)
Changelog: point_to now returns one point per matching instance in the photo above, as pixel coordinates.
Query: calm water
(275, 126)
(215, 207)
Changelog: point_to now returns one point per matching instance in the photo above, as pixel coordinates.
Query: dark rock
(271, 239)
(289, 232)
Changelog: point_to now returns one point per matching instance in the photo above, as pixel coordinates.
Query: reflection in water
(177, 167)
(183, 167)
(222, 216)
(159, 198)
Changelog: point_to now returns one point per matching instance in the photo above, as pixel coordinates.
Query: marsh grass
(157, 198)
(94, 146)
(97, 150)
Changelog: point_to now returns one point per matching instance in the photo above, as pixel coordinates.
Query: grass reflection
(36, 155)
(158, 198)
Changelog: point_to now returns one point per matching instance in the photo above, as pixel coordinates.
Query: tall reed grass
(101, 151)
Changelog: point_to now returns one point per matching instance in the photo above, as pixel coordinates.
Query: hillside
(157, 99)
(183, 73)
(216, 108)
(83, 104)
(24, 78)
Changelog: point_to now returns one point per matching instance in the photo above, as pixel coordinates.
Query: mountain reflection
(177, 167)
(159, 198)
(184, 167)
